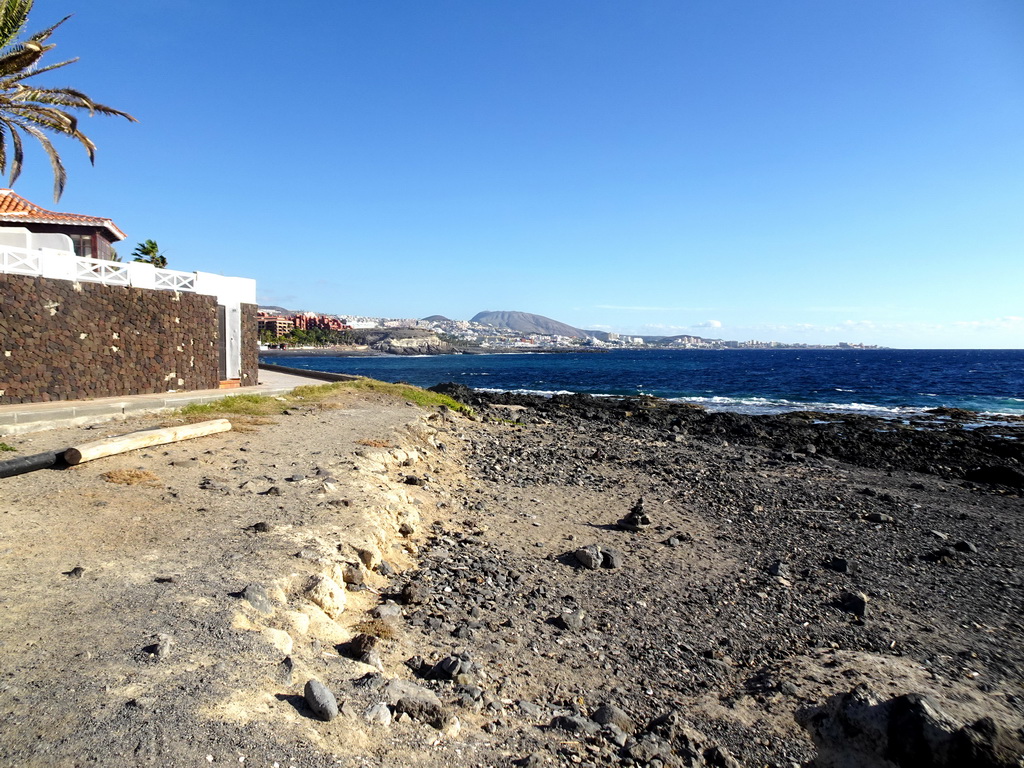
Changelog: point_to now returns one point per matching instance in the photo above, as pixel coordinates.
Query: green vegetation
(6, 447)
(149, 252)
(314, 337)
(421, 397)
(31, 110)
(263, 405)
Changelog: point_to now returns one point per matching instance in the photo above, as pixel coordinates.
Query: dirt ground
(166, 606)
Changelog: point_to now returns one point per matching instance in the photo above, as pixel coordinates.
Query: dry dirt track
(153, 655)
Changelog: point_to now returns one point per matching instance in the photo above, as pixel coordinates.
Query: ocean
(888, 383)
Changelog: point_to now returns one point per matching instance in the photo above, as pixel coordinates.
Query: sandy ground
(165, 607)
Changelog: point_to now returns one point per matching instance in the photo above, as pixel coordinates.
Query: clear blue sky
(797, 170)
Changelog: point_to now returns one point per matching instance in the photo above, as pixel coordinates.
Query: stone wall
(61, 340)
(250, 346)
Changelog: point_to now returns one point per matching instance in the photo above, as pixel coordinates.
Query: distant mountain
(524, 322)
(437, 319)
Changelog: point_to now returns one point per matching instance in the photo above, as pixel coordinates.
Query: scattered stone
(415, 593)
(839, 565)
(285, 670)
(324, 592)
(76, 572)
(161, 649)
(611, 558)
(387, 612)
(572, 621)
(965, 546)
(779, 569)
(908, 731)
(262, 527)
(529, 709)
(363, 643)
(589, 556)
(854, 602)
(417, 702)
(353, 574)
(450, 667)
(271, 491)
(321, 700)
(575, 724)
(378, 714)
(609, 714)
(878, 517)
(943, 555)
(209, 484)
(256, 595)
(614, 734)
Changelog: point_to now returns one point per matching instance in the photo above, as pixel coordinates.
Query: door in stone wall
(222, 342)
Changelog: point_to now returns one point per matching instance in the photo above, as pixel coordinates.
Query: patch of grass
(421, 397)
(377, 628)
(236, 405)
(6, 447)
(320, 395)
(131, 477)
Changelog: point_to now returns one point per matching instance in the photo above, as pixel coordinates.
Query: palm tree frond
(13, 17)
(41, 36)
(25, 74)
(60, 175)
(37, 111)
(19, 155)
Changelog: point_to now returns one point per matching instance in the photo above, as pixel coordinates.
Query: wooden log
(23, 464)
(111, 446)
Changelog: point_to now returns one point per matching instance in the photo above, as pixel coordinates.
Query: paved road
(34, 417)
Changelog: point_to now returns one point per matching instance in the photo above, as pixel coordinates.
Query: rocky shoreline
(559, 581)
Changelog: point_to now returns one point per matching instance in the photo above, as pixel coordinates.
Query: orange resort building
(78, 323)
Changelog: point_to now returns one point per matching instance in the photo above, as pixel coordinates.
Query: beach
(555, 581)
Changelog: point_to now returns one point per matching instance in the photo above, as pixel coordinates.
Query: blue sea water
(876, 382)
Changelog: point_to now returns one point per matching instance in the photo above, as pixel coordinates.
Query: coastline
(458, 541)
(342, 351)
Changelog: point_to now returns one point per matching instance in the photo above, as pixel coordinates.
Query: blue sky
(797, 170)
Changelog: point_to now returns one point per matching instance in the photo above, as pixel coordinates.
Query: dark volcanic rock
(999, 474)
(909, 731)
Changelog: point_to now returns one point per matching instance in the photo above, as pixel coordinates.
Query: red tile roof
(15, 209)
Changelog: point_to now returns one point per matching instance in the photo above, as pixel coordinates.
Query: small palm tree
(31, 110)
(149, 252)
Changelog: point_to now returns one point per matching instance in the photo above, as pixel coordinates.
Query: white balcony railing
(18, 261)
(61, 265)
(65, 266)
(172, 280)
(99, 271)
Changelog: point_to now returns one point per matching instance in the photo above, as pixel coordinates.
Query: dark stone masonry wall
(61, 340)
(250, 346)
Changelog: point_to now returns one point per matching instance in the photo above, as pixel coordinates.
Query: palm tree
(31, 110)
(149, 252)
